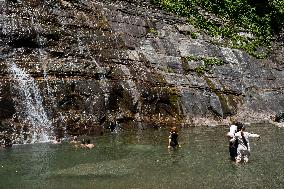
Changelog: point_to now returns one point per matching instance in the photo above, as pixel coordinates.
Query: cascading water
(30, 105)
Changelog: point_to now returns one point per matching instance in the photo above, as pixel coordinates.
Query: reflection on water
(141, 160)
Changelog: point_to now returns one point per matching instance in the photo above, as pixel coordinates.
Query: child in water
(243, 150)
(173, 138)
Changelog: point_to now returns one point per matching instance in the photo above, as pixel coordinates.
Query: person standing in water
(173, 138)
(233, 145)
(243, 150)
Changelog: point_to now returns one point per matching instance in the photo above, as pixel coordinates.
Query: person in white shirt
(232, 145)
(243, 150)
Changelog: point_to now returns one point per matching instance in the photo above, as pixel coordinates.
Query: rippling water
(140, 159)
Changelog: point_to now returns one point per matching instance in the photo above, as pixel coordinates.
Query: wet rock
(128, 61)
(7, 108)
(216, 105)
(279, 117)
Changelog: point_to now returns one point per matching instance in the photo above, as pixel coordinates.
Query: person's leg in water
(239, 156)
(246, 156)
(231, 150)
(233, 146)
(174, 144)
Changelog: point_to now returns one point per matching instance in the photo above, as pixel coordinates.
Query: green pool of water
(141, 160)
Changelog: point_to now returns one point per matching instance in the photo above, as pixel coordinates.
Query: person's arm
(233, 139)
(169, 141)
(230, 135)
(253, 135)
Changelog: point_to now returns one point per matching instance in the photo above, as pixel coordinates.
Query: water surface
(141, 160)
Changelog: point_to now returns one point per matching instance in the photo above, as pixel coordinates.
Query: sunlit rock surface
(96, 62)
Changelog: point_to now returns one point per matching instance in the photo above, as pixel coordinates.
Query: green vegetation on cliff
(245, 24)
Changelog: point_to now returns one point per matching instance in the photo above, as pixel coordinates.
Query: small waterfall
(30, 105)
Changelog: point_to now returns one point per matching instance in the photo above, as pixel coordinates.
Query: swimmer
(74, 140)
(173, 138)
(87, 144)
(56, 141)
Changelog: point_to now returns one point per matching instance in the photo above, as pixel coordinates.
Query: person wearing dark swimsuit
(173, 138)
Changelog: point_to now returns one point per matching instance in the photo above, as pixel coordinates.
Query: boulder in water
(279, 117)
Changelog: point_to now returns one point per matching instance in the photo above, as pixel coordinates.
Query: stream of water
(30, 107)
(140, 159)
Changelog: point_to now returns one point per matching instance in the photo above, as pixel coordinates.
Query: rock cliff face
(72, 67)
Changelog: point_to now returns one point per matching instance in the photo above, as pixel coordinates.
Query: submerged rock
(111, 168)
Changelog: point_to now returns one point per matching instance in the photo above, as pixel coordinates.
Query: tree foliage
(261, 19)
